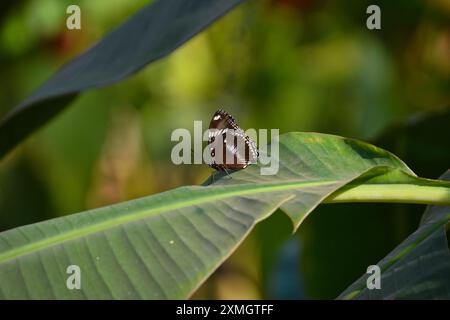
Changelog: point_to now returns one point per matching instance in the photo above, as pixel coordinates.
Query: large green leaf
(166, 245)
(422, 142)
(419, 268)
(150, 34)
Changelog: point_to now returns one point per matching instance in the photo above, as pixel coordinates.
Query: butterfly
(229, 147)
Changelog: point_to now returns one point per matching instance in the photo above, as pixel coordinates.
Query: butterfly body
(229, 147)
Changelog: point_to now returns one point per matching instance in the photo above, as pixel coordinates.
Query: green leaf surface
(148, 35)
(419, 268)
(166, 245)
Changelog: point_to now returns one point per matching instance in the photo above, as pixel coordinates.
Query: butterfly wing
(229, 146)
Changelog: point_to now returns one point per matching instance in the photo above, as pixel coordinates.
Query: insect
(229, 147)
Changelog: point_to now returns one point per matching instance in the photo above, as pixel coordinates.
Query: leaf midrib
(142, 214)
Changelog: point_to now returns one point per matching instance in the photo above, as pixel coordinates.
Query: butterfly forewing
(230, 148)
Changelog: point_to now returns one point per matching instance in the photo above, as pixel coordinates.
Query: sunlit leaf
(166, 245)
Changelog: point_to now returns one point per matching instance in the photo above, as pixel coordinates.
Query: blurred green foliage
(297, 65)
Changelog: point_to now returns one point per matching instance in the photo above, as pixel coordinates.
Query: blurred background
(296, 65)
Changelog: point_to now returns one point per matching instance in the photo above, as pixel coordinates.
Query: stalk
(397, 193)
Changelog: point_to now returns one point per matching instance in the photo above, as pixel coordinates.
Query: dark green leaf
(150, 34)
(419, 268)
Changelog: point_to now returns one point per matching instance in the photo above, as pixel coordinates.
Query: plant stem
(399, 193)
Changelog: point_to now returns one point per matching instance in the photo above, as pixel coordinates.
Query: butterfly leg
(226, 171)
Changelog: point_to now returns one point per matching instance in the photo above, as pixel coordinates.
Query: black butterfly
(230, 148)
